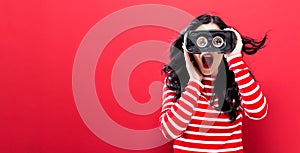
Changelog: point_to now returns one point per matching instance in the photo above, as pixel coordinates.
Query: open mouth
(207, 60)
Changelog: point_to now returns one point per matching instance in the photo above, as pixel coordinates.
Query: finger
(186, 56)
(227, 29)
(184, 47)
(188, 60)
(238, 36)
(239, 42)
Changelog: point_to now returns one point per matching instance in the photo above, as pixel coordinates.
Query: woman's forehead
(209, 26)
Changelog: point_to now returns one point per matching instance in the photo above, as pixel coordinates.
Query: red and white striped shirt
(197, 127)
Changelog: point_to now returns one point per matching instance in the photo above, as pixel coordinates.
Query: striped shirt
(196, 126)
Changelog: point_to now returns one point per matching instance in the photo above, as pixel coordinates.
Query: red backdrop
(40, 43)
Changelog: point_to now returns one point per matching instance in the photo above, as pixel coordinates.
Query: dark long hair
(226, 89)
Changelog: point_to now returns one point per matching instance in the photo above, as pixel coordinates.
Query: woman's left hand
(239, 43)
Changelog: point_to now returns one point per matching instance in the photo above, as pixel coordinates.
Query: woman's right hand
(192, 70)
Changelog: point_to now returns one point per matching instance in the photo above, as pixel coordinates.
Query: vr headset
(220, 41)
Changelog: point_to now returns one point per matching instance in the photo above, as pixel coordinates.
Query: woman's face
(208, 62)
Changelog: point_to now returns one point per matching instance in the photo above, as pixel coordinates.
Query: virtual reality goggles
(220, 41)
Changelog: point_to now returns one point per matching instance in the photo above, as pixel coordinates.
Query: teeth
(207, 55)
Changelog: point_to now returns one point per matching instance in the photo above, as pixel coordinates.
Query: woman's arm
(177, 114)
(253, 101)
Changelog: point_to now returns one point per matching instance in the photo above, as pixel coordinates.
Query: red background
(38, 44)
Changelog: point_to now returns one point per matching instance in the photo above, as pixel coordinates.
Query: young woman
(206, 96)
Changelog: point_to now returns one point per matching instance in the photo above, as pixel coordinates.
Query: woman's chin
(208, 72)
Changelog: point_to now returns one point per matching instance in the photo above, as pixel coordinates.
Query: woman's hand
(193, 72)
(239, 43)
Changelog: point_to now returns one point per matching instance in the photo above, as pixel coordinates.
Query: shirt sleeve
(253, 101)
(177, 114)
